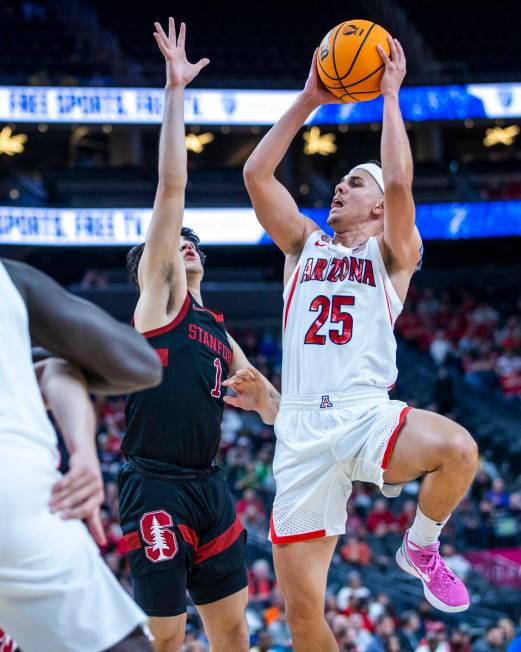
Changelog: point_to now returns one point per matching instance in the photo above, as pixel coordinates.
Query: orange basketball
(348, 62)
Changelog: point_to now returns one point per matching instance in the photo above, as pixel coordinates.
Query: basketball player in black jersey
(178, 520)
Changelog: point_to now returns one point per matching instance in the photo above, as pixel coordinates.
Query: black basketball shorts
(180, 534)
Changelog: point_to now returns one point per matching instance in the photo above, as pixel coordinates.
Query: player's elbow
(172, 184)
(141, 370)
(254, 172)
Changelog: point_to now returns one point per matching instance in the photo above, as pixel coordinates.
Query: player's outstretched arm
(275, 208)
(401, 237)
(114, 358)
(161, 274)
(78, 493)
(253, 390)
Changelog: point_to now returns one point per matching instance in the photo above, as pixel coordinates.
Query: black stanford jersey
(179, 422)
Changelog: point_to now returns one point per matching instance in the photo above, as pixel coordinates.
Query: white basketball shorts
(56, 593)
(324, 443)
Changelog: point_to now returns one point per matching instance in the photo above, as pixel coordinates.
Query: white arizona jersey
(339, 312)
(23, 419)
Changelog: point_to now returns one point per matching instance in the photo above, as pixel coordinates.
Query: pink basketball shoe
(441, 587)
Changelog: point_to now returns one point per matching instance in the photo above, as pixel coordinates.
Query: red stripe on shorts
(132, 541)
(189, 535)
(293, 538)
(220, 543)
(394, 435)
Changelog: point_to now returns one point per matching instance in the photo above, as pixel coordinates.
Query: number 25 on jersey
(332, 309)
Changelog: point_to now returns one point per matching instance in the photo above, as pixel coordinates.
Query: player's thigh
(226, 616)
(425, 442)
(168, 629)
(301, 570)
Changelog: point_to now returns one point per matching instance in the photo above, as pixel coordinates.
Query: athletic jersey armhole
(310, 242)
(172, 324)
(395, 304)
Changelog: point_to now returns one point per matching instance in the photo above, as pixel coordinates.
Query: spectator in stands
(352, 588)
(249, 498)
(456, 562)
(497, 495)
(356, 552)
(264, 642)
(378, 607)
(380, 520)
(409, 627)
(407, 515)
(384, 629)
(435, 638)
(260, 581)
(440, 347)
(362, 635)
(492, 641)
(344, 635)
(508, 628)
(460, 640)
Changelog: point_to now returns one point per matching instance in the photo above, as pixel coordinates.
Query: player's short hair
(134, 255)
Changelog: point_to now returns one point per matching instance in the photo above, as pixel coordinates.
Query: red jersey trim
(162, 354)
(291, 293)
(132, 541)
(220, 543)
(387, 299)
(305, 536)
(175, 322)
(189, 535)
(394, 435)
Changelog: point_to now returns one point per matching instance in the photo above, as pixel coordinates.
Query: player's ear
(378, 208)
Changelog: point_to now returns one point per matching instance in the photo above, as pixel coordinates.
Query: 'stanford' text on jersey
(179, 422)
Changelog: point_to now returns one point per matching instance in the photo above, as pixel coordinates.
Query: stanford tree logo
(155, 530)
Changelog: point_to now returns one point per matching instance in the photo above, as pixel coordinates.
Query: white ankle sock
(424, 531)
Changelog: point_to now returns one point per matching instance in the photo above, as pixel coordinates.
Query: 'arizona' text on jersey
(339, 313)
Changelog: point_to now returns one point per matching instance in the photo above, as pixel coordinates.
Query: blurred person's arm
(254, 391)
(112, 356)
(78, 493)
(161, 273)
(400, 242)
(274, 206)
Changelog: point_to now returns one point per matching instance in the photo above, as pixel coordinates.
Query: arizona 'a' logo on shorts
(155, 530)
(326, 402)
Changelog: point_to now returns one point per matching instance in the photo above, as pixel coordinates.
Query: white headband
(374, 171)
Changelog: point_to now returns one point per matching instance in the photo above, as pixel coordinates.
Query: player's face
(191, 258)
(355, 201)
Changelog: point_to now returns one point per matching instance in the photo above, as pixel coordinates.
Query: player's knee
(301, 610)
(237, 635)
(168, 639)
(461, 449)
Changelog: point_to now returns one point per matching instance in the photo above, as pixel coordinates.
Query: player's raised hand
(252, 393)
(395, 67)
(314, 90)
(79, 493)
(179, 71)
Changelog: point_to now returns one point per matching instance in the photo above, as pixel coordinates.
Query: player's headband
(374, 171)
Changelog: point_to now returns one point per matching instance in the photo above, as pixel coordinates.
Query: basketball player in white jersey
(336, 423)
(56, 594)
